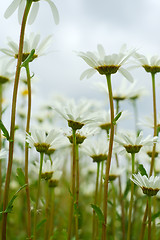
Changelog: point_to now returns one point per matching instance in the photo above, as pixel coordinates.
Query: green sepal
(28, 59)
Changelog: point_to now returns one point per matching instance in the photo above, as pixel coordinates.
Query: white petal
(33, 13)
(54, 11)
(126, 74)
(101, 51)
(87, 73)
(12, 8)
(44, 44)
(21, 11)
(13, 46)
(35, 41)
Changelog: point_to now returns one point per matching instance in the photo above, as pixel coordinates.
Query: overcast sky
(84, 24)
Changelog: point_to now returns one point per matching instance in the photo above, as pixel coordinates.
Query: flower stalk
(149, 217)
(37, 198)
(13, 115)
(131, 200)
(104, 225)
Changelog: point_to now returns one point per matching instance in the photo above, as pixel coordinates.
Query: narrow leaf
(117, 117)
(28, 59)
(20, 176)
(98, 212)
(142, 170)
(39, 225)
(4, 130)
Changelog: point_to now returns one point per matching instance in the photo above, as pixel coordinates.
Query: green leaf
(28, 59)
(20, 176)
(117, 117)
(39, 225)
(154, 216)
(4, 130)
(98, 212)
(142, 170)
(10, 204)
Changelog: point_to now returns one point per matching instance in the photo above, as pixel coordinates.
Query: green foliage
(10, 204)
(20, 176)
(28, 59)
(40, 224)
(98, 212)
(117, 117)
(142, 170)
(4, 130)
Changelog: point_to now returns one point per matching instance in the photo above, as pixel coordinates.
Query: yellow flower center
(25, 55)
(107, 69)
(151, 69)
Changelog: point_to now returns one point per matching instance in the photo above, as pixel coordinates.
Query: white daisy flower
(43, 142)
(106, 64)
(150, 186)
(150, 64)
(133, 143)
(20, 4)
(31, 42)
(53, 182)
(149, 121)
(77, 114)
(82, 134)
(97, 149)
(123, 90)
(115, 172)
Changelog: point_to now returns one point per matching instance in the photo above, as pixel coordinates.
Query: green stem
(101, 183)
(46, 232)
(135, 114)
(114, 211)
(153, 152)
(149, 218)
(37, 198)
(77, 191)
(120, 185)
(13, 115)
(26, 155)
(73, 186)
(51, 223)
(94, 226)
(131, 199)
(104, 225)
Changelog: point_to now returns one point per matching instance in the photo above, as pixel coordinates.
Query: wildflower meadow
(77, 168)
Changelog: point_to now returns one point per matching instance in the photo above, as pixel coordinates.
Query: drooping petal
(126, 74)
(20, 11)
(33, 13)
(54, 11)
(87, 73)
(12, 8)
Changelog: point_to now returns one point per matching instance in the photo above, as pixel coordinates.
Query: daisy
(96, 149)
(82, 134)
(149, 121)
(123, 90)
(150, 186)
(150, 64)
(43, 142)
(77, 114)
(115, 172)
(133, 143)
(106, 64)
(20, 4)
(53, 182)
(31, 42)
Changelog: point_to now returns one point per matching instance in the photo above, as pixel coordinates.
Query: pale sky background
(83, 25)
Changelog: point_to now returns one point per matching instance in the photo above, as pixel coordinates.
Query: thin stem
(46, 232)
(120, 185)
(51, 223)
(37, 198)
(149, 218)
(77, 191)
(131, 200)
(94, 226)
(104, 225)
(13, 115)
(72, 185)
(153, 151)
(134, 103)
(26, 155)
(114, 211)
(101, 183)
